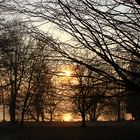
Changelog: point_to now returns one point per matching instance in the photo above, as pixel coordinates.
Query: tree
(13, 61)
(38, 80)
(85, 96)
(106, 28)
(24, 69)
(52, 101)
(133, 101)
(41, 81)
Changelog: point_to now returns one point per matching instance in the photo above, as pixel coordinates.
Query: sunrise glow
(67, 73)
(67, 117)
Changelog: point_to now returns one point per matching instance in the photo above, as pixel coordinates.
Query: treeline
(26, 74)
(103, 47)
(28, 88)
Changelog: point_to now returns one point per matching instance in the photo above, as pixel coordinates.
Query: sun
(67, 117)
(67, 73)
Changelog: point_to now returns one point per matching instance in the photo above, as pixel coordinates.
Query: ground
(72, 131)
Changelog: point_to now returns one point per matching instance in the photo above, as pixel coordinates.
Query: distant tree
(24, 69)
(133, 97)
(52, 102)
(97, 99)
(40, 82)
(41, 79)
(85, 97)
(13, 61)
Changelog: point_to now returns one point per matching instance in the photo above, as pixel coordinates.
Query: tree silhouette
(109, 30)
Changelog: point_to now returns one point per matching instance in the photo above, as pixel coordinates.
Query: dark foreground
(71, 131)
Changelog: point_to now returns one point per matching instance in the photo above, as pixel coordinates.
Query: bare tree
(24, 69)
(39, 79)
(12, 62)
(84, 96)
(108, 29)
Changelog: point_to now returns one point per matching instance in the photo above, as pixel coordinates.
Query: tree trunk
(94, 113)
(51, 117)
(119, 109)
(42, 115)
(12, 106)
(24, 108)
(12, 112)
(37, 116)
(3, 103)
(83, 120)
(22, 117)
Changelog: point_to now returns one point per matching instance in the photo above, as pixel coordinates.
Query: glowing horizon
(67, 117)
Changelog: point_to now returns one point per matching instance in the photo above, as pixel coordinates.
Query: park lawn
(70, 131)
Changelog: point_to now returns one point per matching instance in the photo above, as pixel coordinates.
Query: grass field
(72, 131)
